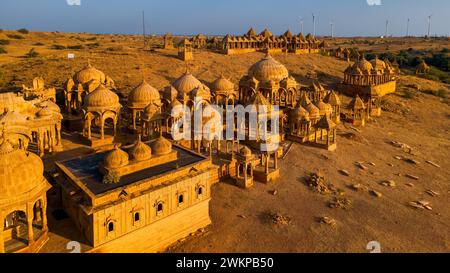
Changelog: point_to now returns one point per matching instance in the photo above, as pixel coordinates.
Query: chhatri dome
(363, 65)
(161, 146)
(268, 69)
(88, 74)
(21, 172)
(143, 95)
(116, 158)
(186, 84)
(102, 97)
(222, 86)
(140, 151)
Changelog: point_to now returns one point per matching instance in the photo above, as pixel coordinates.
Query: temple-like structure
(140, 198)
(267, 42)
(272, 80)
(366, 78)
(81, 84)
(23, 199)
(31, 124)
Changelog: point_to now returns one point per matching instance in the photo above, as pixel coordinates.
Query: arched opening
(15, 231)
(159, 208)
(38, 214)
(137, 217)
(110, 227)
(180, 199)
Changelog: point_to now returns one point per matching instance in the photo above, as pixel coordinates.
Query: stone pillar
(267, 163)
(134, 119)
(102, 129)
(30, 224)
(2, 243)
(245, 172)
(44, 216)
(276, 160)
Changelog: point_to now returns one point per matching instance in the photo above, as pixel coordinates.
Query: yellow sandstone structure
(23, 200)
(267, 42)
(31, 124)
(185, 50)
(140, 198)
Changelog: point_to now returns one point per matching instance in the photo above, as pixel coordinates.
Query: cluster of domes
(268, 69)
(20, 172)
(140, 151)
(364, 67)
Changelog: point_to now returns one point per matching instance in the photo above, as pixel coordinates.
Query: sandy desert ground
(285, 216)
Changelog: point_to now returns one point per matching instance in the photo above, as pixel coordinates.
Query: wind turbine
(407, 28)
(301, 24)
(314, 24)
(429, 25)
(332, 29)
(387, 29)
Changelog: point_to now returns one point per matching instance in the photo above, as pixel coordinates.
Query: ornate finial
(89, 62)
(139, 138)
(187, 70)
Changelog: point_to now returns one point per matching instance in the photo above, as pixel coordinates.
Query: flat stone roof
(86, 169)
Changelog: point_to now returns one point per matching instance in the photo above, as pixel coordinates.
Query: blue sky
(350, 17)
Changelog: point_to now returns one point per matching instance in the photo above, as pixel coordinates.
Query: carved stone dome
(116, 158)
(268, 69)
(88, 74)
(102, 97)
(150, 111)
(333, 99)
(245, 152)
(378, 64)
(20, 171)
(50, 105)
(140, 151)
(299, 113)
(142, 95)
(45, 113)
(186, 84)
(314, 112)
(222, 86)
(161, 146)
(324, 108)
(364, 65)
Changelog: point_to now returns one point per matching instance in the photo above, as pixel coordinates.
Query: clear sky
(350, 17)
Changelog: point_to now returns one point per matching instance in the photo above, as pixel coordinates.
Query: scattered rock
(412, 176)
(274, 192)
(316, 182)
(376, 193)
(340, 202)
(405, 147)
(409, 185)
(432, 193)
(398, 157)
(344, 172)
(390, 165)
(328, 221)
(421, 204)
(359, 187)
(371, 163)
(412, 161)
(433, 164)
(279, 219)
(242, 216)
(389, 183)
(361, 166)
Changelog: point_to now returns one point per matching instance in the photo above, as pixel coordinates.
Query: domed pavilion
(101, 111)
(272, 80)
(23, 201)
